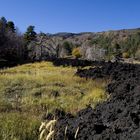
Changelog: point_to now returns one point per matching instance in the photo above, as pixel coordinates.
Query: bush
(68, 47)
(125, 55)
(76, 53)
(137, 55)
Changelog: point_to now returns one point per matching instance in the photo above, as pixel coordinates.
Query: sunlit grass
(30, 89)
(16, 126)
(34, 83)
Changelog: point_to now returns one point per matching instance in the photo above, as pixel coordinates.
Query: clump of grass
(95, 96)
(15, 126)
(47, 130)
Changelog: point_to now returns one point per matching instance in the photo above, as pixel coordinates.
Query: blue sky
(52, 16)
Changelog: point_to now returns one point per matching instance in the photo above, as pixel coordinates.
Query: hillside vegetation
(17, 48)
(28, 91)
(92, 46)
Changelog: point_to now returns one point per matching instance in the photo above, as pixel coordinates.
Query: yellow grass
(34, 83)
(26, 94)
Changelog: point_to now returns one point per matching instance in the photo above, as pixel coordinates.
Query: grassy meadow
(29, 91)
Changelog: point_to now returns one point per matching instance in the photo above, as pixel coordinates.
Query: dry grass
(47, 130)
(35, 88)
(31, 87)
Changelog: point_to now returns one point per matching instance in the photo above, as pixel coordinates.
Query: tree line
(13, 44)
(22, 47)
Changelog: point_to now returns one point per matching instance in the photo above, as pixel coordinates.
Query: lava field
(118, 118)
(76, 62)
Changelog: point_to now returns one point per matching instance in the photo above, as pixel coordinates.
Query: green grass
(16, 126)
(26, 94)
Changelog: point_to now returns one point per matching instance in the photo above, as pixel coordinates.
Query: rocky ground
(116, 119)
(76, 62)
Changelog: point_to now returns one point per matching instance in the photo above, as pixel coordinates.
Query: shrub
(68, 47)
(76, 53)
(125, 55)
(137, 55)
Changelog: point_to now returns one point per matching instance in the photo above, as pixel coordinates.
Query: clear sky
(52, 16)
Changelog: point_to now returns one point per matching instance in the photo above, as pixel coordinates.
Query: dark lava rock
(75, 62)
(116, 119)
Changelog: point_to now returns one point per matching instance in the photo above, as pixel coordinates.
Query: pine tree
(30, 35)
(11, 26)
(3, 24)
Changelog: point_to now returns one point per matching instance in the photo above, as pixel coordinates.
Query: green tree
(117, 49)
(137, 55)
(30, 35)
(11, 26)
(3, 24)
(68, 47)
(131, 45)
